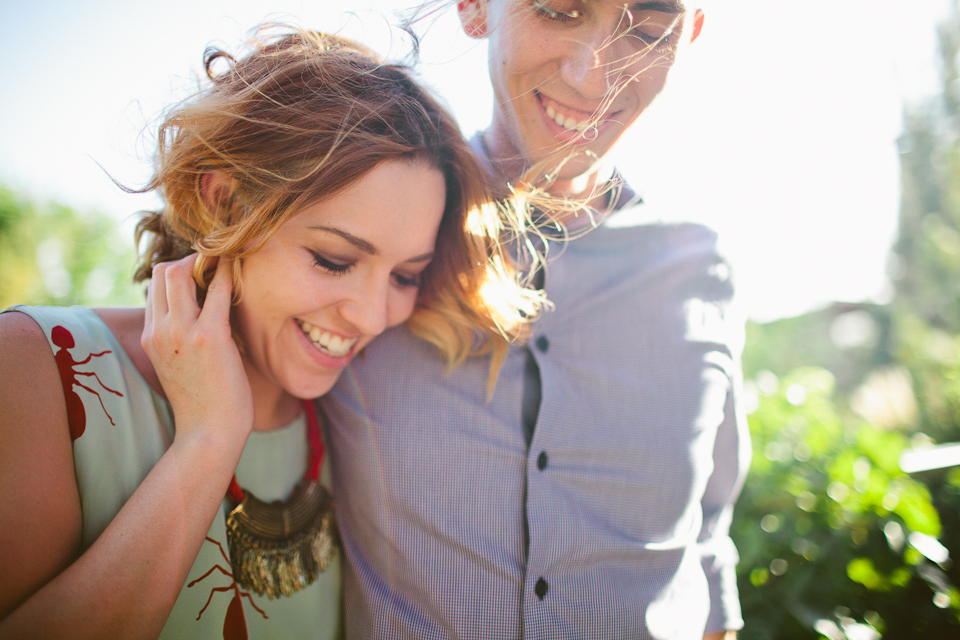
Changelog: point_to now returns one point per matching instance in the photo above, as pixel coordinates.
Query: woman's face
(336, 275)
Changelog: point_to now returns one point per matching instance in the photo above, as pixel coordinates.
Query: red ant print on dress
(235, 623)
(76, 415)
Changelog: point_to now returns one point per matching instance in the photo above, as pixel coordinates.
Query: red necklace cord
(236, 493)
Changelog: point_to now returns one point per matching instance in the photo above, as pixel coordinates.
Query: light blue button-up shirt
(626, 489)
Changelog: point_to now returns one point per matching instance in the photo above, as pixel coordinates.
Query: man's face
(570, 76)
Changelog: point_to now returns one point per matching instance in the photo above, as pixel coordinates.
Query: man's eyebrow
(664, 6)
(359, 243)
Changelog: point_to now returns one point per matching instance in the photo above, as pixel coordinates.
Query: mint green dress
(125, 429)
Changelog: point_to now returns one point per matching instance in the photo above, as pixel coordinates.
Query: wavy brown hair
(298, 118)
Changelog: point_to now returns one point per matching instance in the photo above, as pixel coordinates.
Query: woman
(312, 198)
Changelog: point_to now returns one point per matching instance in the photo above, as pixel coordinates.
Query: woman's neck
(273, 407)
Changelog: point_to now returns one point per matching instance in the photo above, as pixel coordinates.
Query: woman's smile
(326, 341)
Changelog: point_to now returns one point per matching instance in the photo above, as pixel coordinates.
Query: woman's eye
(336, 268)
(555, 15)
(405, 282)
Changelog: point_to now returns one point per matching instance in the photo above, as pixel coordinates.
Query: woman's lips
(325, 341)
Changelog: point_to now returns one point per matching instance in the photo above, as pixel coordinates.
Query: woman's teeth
(565, 122)
(326, 341)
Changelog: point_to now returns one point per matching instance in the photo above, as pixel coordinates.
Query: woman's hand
(194, 354)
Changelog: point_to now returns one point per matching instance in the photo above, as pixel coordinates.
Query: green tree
(928, 246)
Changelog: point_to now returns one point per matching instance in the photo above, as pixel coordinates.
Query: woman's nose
(366, 311)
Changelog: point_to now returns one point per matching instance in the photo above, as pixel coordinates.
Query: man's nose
(591, 66)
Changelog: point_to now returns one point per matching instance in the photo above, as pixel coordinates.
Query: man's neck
(508, 167)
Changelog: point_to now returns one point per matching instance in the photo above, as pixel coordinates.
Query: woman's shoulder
(96, 329)
(36, 462)
(62, 327)
(27, 367)
(20, 331)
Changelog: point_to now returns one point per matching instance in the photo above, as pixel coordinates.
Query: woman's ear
(697, 24)
(215, 189)
(473, 17)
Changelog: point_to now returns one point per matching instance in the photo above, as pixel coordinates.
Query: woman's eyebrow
(424, 258)
(359, 243)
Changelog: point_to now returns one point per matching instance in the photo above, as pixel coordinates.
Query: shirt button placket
(541, 586)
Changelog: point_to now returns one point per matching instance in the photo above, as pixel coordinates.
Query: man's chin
(574, 170)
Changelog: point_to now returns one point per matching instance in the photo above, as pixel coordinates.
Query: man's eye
(662, 42)
(563, 17)
(656, 34)
(336, 268)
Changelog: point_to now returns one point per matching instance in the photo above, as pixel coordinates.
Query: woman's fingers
(216, 306)
(156, 309)
(157, 291)
(171, 309)
(193, 352)
(181, 289)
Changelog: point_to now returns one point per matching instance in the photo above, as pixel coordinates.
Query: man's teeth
(565, 122)
(326, 341)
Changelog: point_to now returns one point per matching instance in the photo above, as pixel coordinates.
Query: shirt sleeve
(731, 457)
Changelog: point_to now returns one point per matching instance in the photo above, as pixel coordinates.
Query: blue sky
(778, 128)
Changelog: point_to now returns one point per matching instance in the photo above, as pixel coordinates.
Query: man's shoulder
(645, 214)
(398, 359)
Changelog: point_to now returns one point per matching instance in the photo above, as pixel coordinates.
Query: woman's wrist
(209, 450)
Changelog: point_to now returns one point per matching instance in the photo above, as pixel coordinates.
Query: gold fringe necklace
(279, 548)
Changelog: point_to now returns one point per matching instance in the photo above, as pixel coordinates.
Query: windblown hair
(294, 121)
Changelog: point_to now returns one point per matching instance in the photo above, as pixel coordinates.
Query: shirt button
(542, 461)
(543, 344)
(541, 588)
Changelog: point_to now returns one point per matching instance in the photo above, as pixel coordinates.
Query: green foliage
(53, 255)
(829, 528)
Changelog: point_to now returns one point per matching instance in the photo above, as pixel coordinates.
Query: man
(591, 496)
